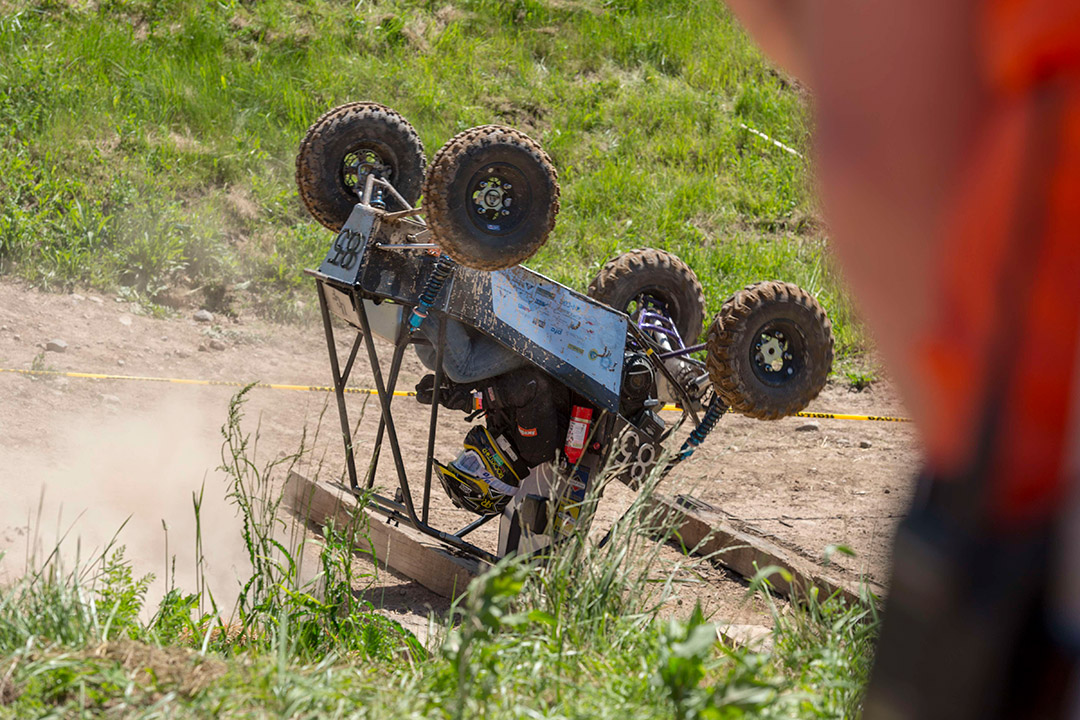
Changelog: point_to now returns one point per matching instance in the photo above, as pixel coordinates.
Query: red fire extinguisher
(580, 417)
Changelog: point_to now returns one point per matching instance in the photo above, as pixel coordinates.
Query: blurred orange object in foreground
(948, 143)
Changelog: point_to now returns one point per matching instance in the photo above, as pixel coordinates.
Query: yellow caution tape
(187, 381)
(822, 415)
(369, 391)
(842, 416)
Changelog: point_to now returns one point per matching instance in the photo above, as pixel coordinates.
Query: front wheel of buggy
(490, 197)
(346, 145)
(770, 349)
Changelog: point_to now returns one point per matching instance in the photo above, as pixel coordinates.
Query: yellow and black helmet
(485, 475)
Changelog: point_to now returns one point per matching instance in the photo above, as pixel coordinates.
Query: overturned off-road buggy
(563, 386)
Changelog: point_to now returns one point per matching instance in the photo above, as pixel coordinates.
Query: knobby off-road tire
(769, 350)
(331, 160)
(625, 279)
(490, 197)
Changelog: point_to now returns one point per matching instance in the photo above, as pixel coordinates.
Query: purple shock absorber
(649, 321)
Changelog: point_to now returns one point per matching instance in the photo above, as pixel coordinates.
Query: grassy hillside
(148, 146)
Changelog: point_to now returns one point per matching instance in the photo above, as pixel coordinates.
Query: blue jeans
(468, 356)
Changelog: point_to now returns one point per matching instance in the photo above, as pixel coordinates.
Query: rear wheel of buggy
(645, 278)
(770, 349)
(490, 197)
(346, 145)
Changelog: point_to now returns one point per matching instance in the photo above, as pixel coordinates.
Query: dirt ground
(809, 484)
(83, 457)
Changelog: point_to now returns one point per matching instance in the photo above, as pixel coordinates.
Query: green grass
(148, 145)
(577, 636)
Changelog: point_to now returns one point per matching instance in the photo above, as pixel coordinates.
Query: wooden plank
(399, 547)
(707, 532)
(422, 558)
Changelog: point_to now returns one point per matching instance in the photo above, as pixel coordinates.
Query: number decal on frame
(346, 249)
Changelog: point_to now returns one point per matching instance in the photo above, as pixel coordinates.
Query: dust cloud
(131, 476)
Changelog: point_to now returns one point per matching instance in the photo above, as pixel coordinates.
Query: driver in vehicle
(526, 414)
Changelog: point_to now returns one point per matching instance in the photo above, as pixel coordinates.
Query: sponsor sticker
(470, 463)
(507, 448)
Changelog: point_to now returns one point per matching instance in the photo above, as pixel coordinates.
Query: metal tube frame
(683, 352)
(402, 507)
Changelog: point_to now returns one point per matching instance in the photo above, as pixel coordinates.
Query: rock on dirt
(808, 427)
(866, 444)
(56, 345)
(752, 637)
(204, 316)
(216, 344)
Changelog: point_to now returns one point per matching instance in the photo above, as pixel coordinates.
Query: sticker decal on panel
(582, 334)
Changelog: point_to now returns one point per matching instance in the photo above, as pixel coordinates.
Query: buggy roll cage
(378, 265)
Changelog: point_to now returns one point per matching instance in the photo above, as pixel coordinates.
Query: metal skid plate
(573, 338)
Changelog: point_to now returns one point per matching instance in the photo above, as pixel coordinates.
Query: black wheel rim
(778, 353)
(369, 158)
(498, 198)
(650, 299)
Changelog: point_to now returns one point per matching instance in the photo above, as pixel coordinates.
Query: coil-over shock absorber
(432, 286)
(712, 416)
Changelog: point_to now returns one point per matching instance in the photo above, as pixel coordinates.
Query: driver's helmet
(485, 475)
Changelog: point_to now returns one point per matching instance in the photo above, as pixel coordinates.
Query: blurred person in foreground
(948, 153)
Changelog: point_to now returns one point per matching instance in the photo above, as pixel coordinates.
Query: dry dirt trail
(90, 454)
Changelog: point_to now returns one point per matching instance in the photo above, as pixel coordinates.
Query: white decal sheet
(586, 336)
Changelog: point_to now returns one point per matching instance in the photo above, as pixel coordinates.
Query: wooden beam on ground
(402, 548)
(705, 531)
